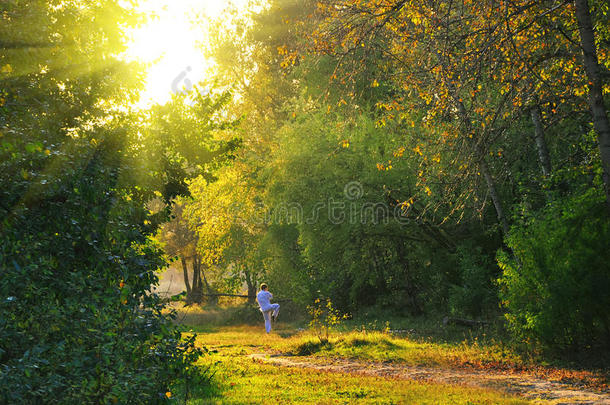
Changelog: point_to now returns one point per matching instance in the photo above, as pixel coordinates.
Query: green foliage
(78, 320)
(558, 292)
(441, 163)
(283, 265)
(475, 293)
(349, 229)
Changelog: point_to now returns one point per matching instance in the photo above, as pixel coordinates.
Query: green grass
(379, 346)
(420, 343)
(241, 380)
(375, 346)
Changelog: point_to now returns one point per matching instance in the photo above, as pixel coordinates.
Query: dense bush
(558, 292)
(78, 323)
(475, 293)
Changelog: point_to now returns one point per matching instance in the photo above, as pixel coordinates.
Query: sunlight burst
(171, 42)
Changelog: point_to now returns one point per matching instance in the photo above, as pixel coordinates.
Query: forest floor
(292, 365)
(522, 384)
(364, 363)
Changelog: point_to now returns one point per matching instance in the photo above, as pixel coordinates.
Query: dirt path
(527, 386)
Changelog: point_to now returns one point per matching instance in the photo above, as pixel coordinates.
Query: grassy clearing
(240, 379)
(374, 345)
(381, 346)
(378, 346)
(244, 381)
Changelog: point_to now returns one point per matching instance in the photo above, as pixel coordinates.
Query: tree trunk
(185, 271)
(197, 270)
(596, 100)
(495, 198)
(196, 278)
(196, 290)
(543, 151)
(203, 282)
(251, 287)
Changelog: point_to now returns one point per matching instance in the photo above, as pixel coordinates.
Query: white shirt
(263, 298)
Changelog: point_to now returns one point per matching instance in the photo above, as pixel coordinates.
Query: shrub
(558, 292)
(324, 317)
(78, 322)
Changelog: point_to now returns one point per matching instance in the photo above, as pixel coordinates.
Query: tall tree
(596, 83)
(228, 223)
(179, 240)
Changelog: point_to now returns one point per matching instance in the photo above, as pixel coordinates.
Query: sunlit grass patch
(244, 381)
(373, 346)
(246, 339)
(379, 346)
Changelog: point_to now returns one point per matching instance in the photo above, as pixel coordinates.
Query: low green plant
(324, 317)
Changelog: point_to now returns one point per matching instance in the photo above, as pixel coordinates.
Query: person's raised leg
(276, 311)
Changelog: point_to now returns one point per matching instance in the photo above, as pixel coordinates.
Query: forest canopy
(420, 157)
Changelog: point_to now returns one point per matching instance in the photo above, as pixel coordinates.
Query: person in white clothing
(270, 311)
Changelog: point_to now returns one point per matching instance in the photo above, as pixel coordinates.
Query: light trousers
(273, 310)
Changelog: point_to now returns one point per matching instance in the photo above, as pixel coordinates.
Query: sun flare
(171, 44)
